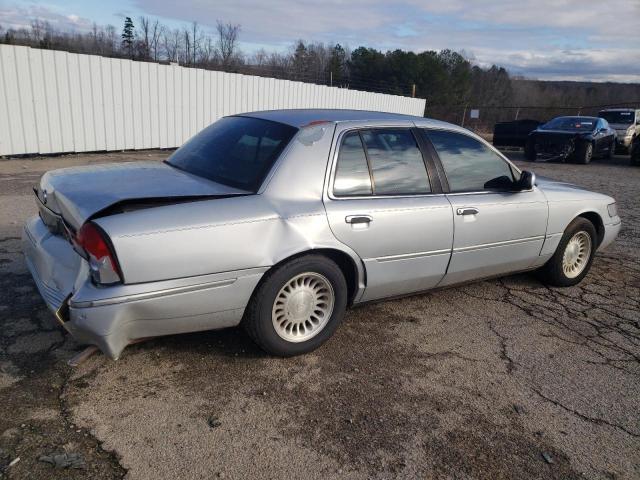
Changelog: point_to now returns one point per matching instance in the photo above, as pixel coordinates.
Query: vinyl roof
(301, 117)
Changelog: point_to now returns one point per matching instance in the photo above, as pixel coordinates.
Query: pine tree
(128, 36)
(337, 64)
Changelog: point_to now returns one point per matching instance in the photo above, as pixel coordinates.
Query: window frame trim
(334, 167)
(440, 167)
(436, 189)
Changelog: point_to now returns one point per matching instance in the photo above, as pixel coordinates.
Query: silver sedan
(280, 220)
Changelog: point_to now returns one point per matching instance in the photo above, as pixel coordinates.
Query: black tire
(257, 320)
(634, 152)
(530, 154)
(612, 150)
(584, 153)
(552, 272)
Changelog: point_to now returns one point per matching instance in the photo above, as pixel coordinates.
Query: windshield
(234, 151)
(618, 117)
(573, 124)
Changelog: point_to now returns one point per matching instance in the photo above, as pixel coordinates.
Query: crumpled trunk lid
(79, 193)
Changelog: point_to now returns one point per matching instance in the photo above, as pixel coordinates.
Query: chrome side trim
(498, 244)
(154, 294)
(406, 256)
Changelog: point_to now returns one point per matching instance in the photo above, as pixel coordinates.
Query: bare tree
(227, 42)
(144, 37)
(111, 39)
(38, 30)
(208, 53)
(186, 55)
(195, 42)
(171, 44)
(156, 32)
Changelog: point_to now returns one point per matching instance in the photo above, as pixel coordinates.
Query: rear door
(384, 201)
(496, 230)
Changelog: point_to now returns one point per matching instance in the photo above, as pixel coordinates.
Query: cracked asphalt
(499, 379)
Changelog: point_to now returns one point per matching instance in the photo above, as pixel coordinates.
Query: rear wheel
(297, 306)
(573, 257)
(584, 153)
(634, 152)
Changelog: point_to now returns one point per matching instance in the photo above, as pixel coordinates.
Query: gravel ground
(500, 379)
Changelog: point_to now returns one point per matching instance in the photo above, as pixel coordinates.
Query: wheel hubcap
(576, 254)
(303, 307)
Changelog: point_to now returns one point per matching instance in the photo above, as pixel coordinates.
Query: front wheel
(297, 306)
(584, 153)
(573, 257)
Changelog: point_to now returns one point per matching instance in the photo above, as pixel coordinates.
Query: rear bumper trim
(152, 294)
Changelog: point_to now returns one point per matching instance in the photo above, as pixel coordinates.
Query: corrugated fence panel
(54, 101)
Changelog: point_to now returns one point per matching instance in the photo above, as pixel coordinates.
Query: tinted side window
(396, 162)
(352, 172)
(470, 166)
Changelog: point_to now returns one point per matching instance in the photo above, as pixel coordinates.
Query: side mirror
(526, 182)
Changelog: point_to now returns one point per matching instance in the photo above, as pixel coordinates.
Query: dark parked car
(571, 138)
(513, 134)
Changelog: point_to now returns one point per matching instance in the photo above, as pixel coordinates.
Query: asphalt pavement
(504, 378)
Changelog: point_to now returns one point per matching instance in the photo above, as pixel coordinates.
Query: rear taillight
(102, 260)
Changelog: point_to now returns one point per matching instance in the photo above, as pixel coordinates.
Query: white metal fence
(53, 101)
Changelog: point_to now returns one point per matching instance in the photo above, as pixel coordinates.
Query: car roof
(582, 117)
(302, 117)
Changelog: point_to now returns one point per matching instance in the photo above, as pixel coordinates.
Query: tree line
(450, 82)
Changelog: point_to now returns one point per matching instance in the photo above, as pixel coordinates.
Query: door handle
(467, 211)
(358, 219)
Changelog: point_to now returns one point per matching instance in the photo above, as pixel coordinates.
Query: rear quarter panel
(286, 217)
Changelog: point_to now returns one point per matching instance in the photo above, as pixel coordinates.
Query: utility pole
(464, 114)
(413, 90)
(331, 78)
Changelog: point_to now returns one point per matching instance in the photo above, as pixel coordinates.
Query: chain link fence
(482, 118)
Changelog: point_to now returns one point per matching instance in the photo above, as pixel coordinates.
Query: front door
(496, 230)
(382, 204)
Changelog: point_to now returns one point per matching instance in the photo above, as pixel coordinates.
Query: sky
(597, 40)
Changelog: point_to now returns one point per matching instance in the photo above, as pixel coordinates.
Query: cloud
(17, 17)
(572, 39)
(562, 64)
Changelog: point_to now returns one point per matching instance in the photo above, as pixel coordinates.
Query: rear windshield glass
(573, 124)
(618, 117)
(234, 151)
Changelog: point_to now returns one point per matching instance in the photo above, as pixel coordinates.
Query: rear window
(234, 151)
(617, 116)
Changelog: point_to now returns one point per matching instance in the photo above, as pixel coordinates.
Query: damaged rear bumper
(112, 317)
